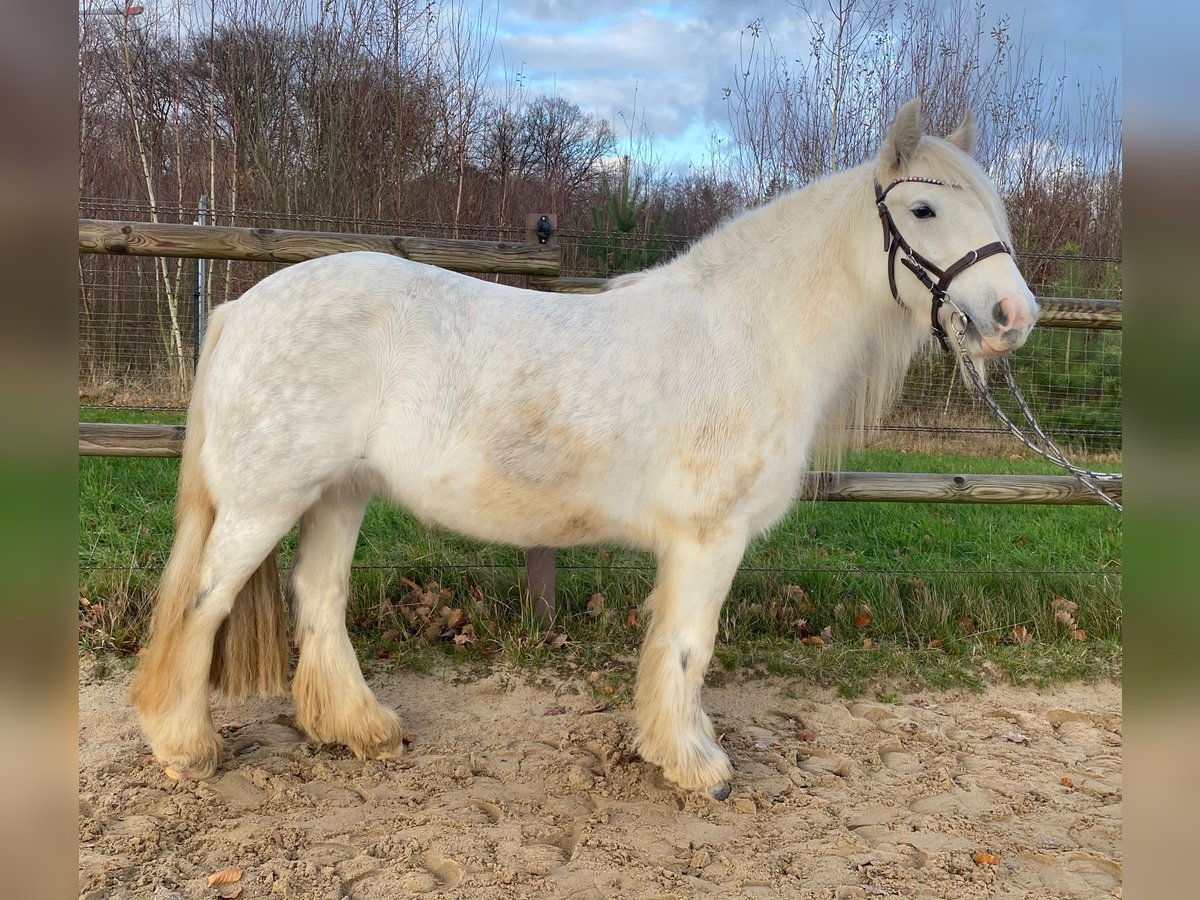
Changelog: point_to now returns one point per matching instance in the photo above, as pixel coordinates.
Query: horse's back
(444, 388)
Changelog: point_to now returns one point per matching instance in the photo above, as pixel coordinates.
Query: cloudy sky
(670, 59)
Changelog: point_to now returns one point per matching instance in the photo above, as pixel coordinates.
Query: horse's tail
(250, 654)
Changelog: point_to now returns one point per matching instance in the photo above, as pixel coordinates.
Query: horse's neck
(804, 279)
(804, 268)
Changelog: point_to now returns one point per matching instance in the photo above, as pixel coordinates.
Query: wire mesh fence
(139, 322)
(139, 337)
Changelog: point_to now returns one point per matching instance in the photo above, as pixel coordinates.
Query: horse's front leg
(673, 730)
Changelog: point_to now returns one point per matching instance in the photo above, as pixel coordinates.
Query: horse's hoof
(188, 774)
(386, 754)
(192, 765)
(720, 791)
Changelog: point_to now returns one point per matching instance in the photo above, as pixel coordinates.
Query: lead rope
(1049, 450)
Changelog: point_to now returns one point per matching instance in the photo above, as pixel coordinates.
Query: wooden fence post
(539, 577)
(541, 228)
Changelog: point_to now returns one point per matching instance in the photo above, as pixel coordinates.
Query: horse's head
(944, 222)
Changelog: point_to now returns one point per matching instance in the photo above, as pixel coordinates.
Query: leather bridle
(893, 242)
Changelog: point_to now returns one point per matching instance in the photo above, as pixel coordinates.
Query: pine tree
(627, 238)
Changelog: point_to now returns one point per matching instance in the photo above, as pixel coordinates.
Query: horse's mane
(894, 336)
(872, 390)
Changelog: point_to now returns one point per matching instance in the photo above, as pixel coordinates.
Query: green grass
(898, 575)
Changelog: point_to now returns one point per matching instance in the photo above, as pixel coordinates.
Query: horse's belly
(493, 507)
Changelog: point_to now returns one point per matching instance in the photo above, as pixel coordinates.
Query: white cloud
(674, 57)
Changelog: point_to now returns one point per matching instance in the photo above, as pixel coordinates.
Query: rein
(893, 242)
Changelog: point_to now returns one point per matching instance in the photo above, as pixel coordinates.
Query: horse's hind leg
(673, 729)
(333, 703)
(179, 727)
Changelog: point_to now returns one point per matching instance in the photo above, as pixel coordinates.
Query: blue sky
(672, 58)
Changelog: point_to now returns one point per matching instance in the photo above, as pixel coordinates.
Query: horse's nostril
(1000, 314)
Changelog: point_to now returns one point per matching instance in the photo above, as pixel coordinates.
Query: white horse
(675, 411)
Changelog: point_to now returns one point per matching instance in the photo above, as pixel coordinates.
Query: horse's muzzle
(1013, 317)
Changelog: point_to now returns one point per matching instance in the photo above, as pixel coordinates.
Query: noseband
(893, 242)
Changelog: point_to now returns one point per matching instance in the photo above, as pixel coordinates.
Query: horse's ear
(901, 140)
(963, 137)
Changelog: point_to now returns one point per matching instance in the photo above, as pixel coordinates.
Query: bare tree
(373, 113)
(1056, 157)
(561, 146)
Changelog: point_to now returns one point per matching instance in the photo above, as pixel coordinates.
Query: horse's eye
(923, 212)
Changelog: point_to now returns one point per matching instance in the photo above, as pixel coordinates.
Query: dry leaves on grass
(428, 610)
(1064, 611)
(809, 639)
(1064, 615)
(794, 594)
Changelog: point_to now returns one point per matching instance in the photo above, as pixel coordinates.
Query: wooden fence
(541, 262)
(281, 246)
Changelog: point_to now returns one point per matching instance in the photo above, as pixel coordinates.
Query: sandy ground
(517, 789)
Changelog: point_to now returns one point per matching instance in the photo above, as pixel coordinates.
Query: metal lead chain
(1049, 450)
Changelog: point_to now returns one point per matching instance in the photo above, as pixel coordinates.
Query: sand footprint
(1057, 717)
(491, 811)
(968, 762)
(1062, 874)
(1098, 871)
(955, 802)
(880, 716)
(447, 871)
(543, 853)
(546, 849)
(265, 735)
(893, 755)
(471, 811)
(814, 759)
(434, 873)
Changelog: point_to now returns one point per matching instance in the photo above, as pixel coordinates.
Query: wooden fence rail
(541, 262)
(1057, 312)
(97, 439)
(280, 246)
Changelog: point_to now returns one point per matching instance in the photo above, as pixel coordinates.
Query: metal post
(201, 285)
(198, 303)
